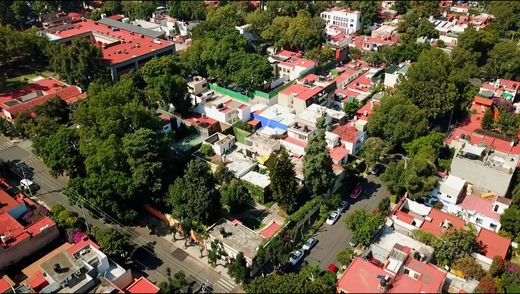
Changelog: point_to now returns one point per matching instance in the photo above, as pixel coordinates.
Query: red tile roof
(4, 285)
(198, 120)
(142, 285)
(431, 277)
(347, 133)
(360, 277)
(287, 54)
(493, 244)
(435, 225)
(361, 83)
(338, 153)
(270, 230)
(38, 282)
(510, 85)
(481, 205)
(483, 101)
(368, 107)
(301, 92)
(82, 244)
(131, 46)
(295, 141)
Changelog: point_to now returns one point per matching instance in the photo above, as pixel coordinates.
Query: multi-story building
(311, 89)
(225, 109)
(20, 237)
(347, 19)
(124, 46)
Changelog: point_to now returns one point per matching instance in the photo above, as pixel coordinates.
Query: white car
(332, 218)
(342, 206)
(309, 244)
(295, 257)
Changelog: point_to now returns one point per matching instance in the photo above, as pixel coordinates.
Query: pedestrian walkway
(226, 283)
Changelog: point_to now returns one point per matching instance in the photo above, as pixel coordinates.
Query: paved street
(335, 238)
(154, 254)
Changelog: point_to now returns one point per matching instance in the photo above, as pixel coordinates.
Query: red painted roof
(480, 205)
(37, 282)
(287, 54)
(510, 85)
(347, 93)
(493, 244)
(368, 107)
(431, 279)
(347, 133)
(361, 83)
(47, 86)
(142, 285)
(116, 17)
(131, 46)
(405, 217)
(198, 120)
(84, 243)
(9, 202)
(488, 86)
(338, 153)
(295, 141)
(270, 230)
(483, 101)
(301, 92)
(435, 225)
(4, 285)
(360, 277)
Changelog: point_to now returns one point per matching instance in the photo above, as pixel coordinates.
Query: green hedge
(260, 195)
(302, 211)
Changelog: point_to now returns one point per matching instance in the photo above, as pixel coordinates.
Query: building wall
(266, 122)
(349, 21)
(27, 247)
(300, 105)
(116, 70)
(390, 80)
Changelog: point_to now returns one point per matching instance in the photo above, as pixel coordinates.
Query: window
(479, 221)
(495, 208)
(351, 25)
(493, 226)
(406, 271)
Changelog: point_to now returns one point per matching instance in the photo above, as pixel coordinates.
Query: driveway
(335, 238)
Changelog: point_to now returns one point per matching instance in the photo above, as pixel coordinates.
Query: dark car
(377, 170)
(285, 268)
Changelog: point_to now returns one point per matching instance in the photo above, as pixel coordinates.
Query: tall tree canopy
(193, 196)
(396, 120)
(317, 163)
(187, 10)
(427, 84)
(79, 64)
(283, 181)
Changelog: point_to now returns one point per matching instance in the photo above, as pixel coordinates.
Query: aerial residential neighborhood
(259, 146)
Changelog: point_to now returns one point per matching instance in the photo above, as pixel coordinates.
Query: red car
(333, 268)
(375, 262)
(356, 192)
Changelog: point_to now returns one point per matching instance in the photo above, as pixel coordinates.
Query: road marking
(226, 284)
(6, 145)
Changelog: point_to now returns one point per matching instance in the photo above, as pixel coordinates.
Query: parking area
(334, 238)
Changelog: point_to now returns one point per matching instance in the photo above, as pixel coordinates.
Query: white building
(226, 110)
(220, 143)
(347, 19)
(393, 73)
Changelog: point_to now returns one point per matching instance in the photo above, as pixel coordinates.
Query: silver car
(309, 244)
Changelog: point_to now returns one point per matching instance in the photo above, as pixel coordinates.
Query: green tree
(419, 177)
(508, 122)
(206, 150)
(258, 20)
(424, 237)
(249, 71)
(427, 84)
(344, 257)
(396, 120)
(60, 152)
(194, 196)
(363, 225)
(455, 244)
(401, 6)
(307, 281)
(350, 108)
(283, 181)
(369, 11)
(286, 8)
(393, 178)
(510, 220)
(506, 16)
(503, 62)
(426, 8)
(238, 269)
(488, 121)
(175, 283)
(433, 141)
(321, 54)
(222, 174)
(79, 64)
(317, 163)
(470, 267)
(113, 242)
(138, 9)
(187, 10)
(22, 13)
(373, 149)
(235, 196)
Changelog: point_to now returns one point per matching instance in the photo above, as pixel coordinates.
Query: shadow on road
(145, 258)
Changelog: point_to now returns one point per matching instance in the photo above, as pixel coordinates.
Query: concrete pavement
(154, 253)
(335, 238)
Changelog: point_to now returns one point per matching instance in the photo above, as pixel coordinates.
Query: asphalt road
(154, 253)
(335, 238)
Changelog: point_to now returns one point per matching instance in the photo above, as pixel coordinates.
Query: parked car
(295, 257)
(333, 218)
(356, 191)
(309, 244)
(27, 184)
(353, 242)
(343, 205)
(333, 268)
(375, 262)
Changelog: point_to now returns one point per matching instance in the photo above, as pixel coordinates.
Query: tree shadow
(144, 258)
